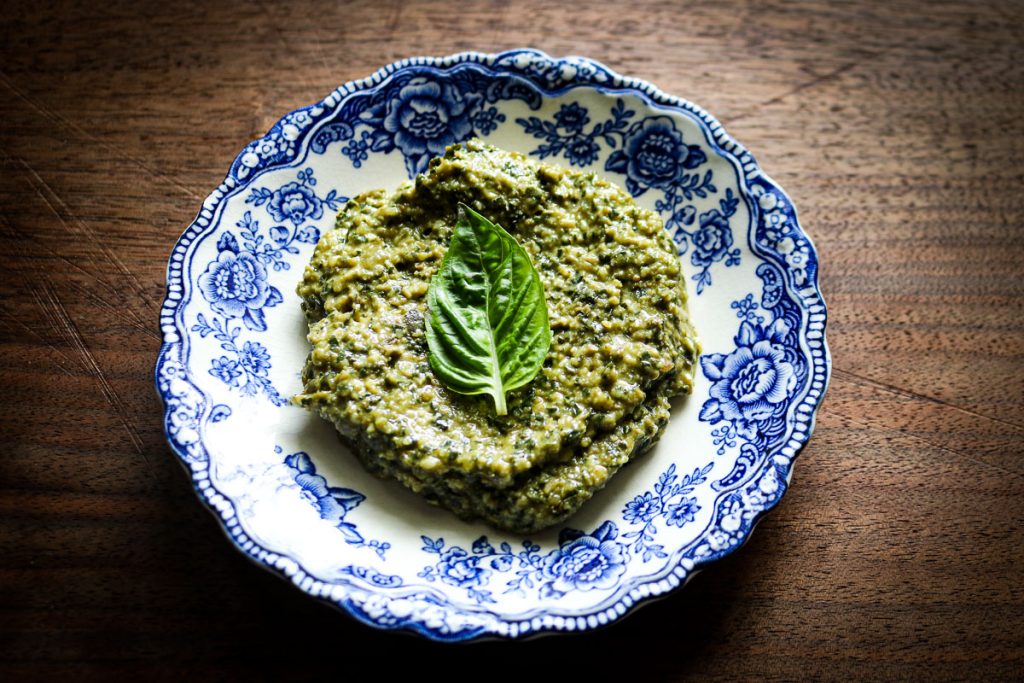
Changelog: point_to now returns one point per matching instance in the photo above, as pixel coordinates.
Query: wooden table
(897, 128)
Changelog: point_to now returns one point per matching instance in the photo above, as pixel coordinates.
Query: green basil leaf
(488, 327)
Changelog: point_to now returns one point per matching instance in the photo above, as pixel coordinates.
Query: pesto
(621, 342)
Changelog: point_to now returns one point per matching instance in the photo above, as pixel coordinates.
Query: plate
(292, 499)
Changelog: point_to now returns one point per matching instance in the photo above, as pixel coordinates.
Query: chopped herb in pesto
(621, 344)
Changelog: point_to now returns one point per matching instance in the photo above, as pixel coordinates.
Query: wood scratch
(394, 20)
(322, 53)
(87, 234)
(60, 120)
(122, 312)
(914, 437)
(135, 321)
(65, 326)
(814, 82)
(116, 311)
(7, 319)
(906, 393)
(268, 11)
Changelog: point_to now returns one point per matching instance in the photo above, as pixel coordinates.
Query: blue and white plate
(294, 500)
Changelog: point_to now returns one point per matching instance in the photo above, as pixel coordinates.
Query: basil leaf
(488, 328)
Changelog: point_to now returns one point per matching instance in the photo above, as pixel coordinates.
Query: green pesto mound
(622, 344)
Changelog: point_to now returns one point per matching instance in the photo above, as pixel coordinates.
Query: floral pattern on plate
(233, 345)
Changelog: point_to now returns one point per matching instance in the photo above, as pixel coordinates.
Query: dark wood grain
(896, 127)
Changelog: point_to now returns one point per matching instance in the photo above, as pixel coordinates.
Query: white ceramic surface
(294, 500)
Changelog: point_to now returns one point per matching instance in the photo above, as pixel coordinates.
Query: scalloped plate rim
(715, 135)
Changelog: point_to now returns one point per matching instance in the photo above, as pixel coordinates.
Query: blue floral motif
(251, 360)
(581, 151)
(573, 118)
(642, 509)
(333, 502)
(653, 155)
(255, 358)
(712, 240)
(470, 570)
(682, 512)
(754, 384)
(420, 114)
(423, 117)
(746, 309)
(566, 135)
(459, 568)
(358, 150)
(669, 499)
(226, 370)
(237, 286)
(295, 202)
(487, 120)
(760, 475)
(582, 562)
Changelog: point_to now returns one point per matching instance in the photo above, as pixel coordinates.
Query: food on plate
(488, 329)
(621, 343)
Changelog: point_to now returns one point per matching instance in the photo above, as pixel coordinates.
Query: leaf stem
(499, 403)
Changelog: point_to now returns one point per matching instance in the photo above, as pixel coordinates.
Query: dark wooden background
(897, 128)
